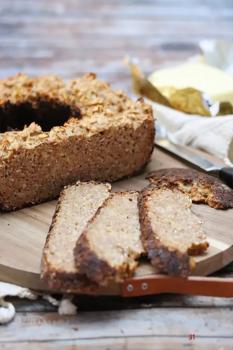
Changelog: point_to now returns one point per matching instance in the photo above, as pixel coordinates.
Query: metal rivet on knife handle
(130, 287)
(144, 286)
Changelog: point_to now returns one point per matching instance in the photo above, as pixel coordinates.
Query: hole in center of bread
(47, 114)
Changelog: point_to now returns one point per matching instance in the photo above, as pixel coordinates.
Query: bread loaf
(101, 135)
(170, 231)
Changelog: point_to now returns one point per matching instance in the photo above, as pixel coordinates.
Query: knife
(224, 173)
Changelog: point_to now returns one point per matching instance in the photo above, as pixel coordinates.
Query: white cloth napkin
(212, 134)
(7, 309)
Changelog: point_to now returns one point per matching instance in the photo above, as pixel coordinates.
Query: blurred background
(71, 37)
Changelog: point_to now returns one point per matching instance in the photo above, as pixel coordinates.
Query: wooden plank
(167, 322)
(118, 27)
(176, 8)
(85, 303)
(86, 41)
(129, 343)
(129, 11)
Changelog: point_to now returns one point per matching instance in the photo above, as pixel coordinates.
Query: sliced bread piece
(170, 230)
(76, 206)
(201, 188)
(110, 245)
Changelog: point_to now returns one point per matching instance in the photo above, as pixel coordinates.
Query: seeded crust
(113, 138)
(166, 258)
(202, 188)
(63, 278)
(100, 270)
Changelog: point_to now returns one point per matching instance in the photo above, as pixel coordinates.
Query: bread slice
(109, 246)
(170, 231)
(76, 206)
(108, 137)
(201, 188)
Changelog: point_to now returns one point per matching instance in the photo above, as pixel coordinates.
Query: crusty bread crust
(168, 260)
(97, 269)
(172, 262)
(70, 283)
(113, 139)
(202, 188)
(60, 279)
(90, 265)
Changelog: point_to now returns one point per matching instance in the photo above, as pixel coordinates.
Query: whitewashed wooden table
(70, 38)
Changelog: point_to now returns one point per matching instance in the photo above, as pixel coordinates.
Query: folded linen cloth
(212, 134)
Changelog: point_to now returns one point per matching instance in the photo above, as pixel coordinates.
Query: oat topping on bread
(110, 245)
(43, 100)
(202, 188)
(171, 232)
(106, 136)
(77, 205)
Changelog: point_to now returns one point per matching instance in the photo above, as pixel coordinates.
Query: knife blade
(187, 154)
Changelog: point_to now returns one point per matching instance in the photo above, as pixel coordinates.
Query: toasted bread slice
(170, 231)
(77, 205)
(110, 245)
(202, 188)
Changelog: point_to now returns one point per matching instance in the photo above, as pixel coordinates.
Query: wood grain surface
(24, 233)
(71, 37)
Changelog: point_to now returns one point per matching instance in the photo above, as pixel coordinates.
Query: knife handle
(226, 175)
(195, 285)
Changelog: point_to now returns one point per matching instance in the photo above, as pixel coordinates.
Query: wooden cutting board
(23, 234)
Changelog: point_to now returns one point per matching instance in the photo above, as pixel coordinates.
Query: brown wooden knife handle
(207, 286)
(226, 175)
